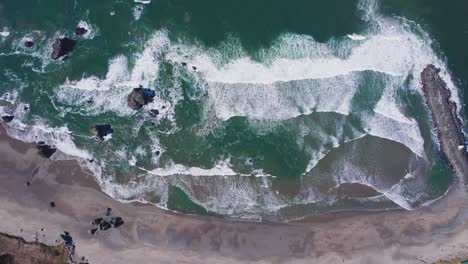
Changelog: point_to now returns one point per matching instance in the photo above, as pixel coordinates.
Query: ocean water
(269, 110)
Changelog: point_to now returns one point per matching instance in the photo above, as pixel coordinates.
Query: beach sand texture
(152, 235)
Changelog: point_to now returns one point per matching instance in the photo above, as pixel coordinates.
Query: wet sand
(152, 235)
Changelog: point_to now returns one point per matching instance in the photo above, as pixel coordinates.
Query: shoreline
(151, 233)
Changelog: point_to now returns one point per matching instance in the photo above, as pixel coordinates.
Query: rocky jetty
(61, 48)
(446, 122)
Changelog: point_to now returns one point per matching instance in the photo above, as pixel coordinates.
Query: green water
(280, 102)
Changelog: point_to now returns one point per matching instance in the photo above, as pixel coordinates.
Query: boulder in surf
(101, 131)
(80, 31)
(7, 118)
(61, 47)
(46, 151)
(28, 44)
(140, 97)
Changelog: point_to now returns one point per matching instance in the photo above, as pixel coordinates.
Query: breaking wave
(312, 88)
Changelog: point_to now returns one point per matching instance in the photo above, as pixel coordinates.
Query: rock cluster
(105, 223)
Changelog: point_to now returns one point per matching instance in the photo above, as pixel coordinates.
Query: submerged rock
(8, 118)
(46, 151)
(61, 47)
(140, 97)
(101, 131)
(28, 44)
(80, 31)
(52, 204)
(154, 112)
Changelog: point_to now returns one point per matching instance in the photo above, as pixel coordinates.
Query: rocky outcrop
(80, 31)
(446, 122)
(140, 97)
(46, 151)
(61, 48)
(15, 250)
(8, 118)
(28, 43)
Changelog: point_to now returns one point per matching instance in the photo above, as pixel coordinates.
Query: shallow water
(268, 109)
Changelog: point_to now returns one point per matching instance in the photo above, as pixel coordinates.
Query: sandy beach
(152, 235)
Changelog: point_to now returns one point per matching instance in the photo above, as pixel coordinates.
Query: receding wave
(336, 105)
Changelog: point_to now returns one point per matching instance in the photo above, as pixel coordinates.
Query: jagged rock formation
(446, 121)
(140, 97)
(61, 47)
(101, 131)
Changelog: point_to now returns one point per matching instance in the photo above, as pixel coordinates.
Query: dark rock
(100, 131)
(104, 225)
(28, 183)
(108, 211)
(66, 238)
(140, 97)
(52, 204)
(157, 152)
(184, 64)
(194, 68)
(97, 221)
(80, 31)
(46, 151)
(7, 259)
(117, 221)
(163, 107)
(154, 112)
(91, 160)
(61, 47)
(89, 101)
(26, 108)
(28, 44)
(42, 229)
(8, 118)
(93, 231)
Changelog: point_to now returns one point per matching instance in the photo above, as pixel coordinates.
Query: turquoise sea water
(269, 109)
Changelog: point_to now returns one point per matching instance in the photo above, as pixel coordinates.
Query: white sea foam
(5, 32)
(109, 94)
(284, 83)
(137, 12)
(355, 36)
(143, 1)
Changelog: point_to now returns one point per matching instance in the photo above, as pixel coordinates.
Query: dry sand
(152, 235)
